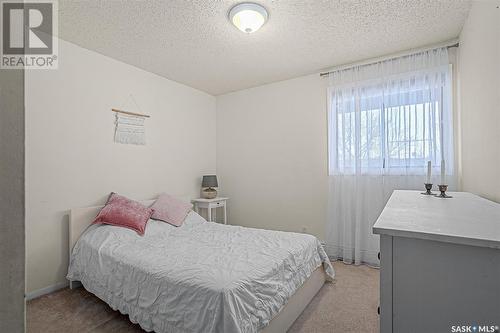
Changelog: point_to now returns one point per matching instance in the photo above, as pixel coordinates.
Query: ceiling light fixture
(248, 17)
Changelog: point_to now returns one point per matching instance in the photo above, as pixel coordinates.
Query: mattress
(200, 277)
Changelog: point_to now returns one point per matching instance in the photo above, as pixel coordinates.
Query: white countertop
(464, 219)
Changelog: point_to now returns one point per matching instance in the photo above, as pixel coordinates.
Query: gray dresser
(440, 263)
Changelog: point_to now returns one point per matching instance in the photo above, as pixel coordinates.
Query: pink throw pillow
(123, 212)
(170, 209)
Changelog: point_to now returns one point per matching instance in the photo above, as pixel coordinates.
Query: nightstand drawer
(219, 203)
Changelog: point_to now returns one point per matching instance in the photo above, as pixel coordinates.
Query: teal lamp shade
(209, 181)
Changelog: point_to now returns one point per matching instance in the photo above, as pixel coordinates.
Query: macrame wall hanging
(130, 126)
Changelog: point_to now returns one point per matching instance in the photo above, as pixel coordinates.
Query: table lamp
(208, 183)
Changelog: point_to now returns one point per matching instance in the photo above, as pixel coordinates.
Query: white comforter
(201, 277)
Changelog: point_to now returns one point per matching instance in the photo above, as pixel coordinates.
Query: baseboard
(44, 291)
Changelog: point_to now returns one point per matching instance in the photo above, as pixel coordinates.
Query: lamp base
(209, 193)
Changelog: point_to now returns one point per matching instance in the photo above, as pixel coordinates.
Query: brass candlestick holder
(428, 188)
(442, 190)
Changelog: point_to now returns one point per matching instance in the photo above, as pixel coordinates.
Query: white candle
(443, 180)
(428, 172)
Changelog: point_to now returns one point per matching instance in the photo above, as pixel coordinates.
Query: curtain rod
(390, 57)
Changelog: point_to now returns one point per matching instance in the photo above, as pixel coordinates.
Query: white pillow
(194, 219)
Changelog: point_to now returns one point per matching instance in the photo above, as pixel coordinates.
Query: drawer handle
(378, 310)
(378, 256)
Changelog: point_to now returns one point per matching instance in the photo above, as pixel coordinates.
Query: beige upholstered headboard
(81, 218)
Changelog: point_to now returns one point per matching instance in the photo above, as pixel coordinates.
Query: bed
(200, 277)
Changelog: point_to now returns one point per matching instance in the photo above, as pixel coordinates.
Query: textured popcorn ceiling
(193, 42)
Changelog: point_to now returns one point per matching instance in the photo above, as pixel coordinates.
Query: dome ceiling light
(248, 17)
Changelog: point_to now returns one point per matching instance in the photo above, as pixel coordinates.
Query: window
(391, 125)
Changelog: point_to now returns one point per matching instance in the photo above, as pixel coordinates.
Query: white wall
(272, 155)
(71, 160)
(479, 67)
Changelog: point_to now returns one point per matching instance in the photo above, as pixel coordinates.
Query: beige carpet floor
(347, 305)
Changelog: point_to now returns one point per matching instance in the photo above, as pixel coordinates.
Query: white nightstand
(209, 204)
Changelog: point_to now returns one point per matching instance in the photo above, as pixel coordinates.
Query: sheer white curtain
(385, 121)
